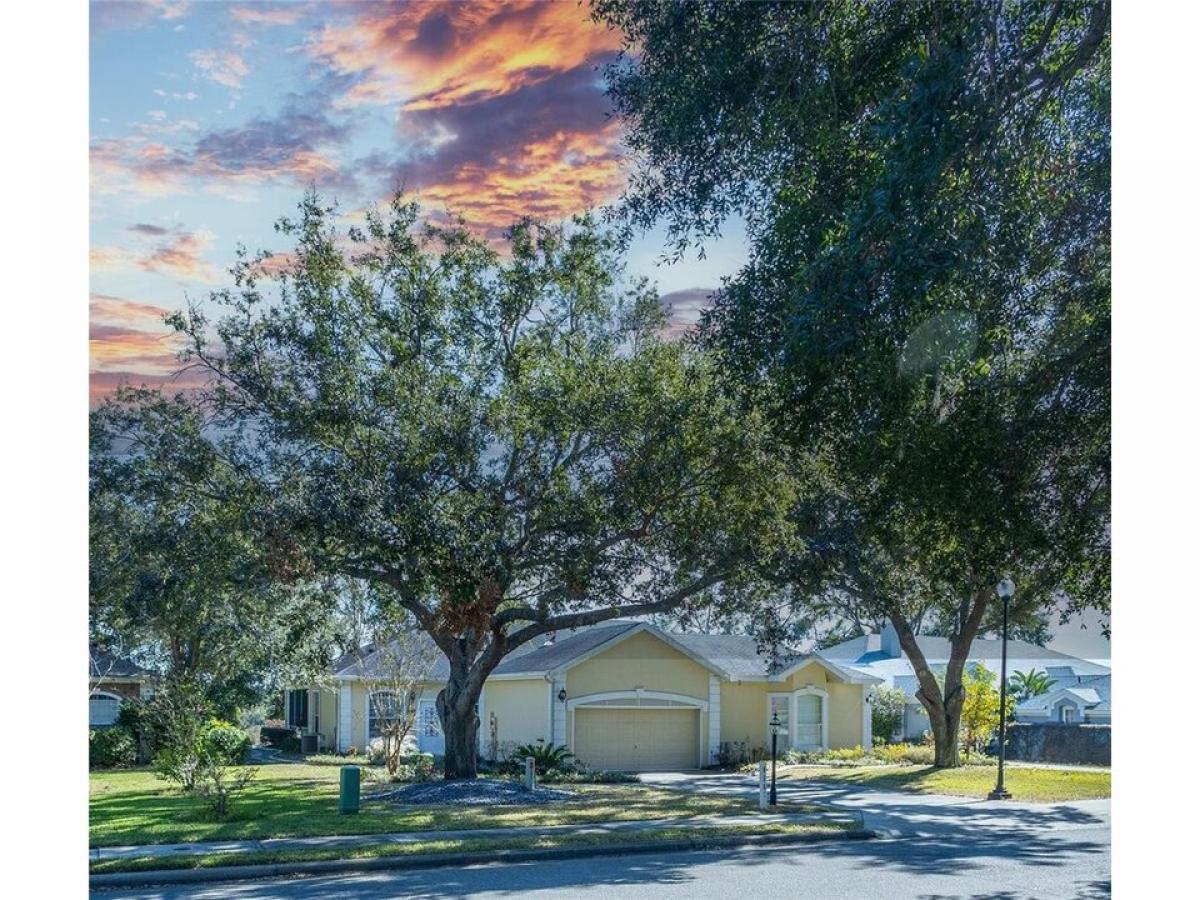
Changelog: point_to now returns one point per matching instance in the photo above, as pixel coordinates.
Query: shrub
(217, 783)
(738, 753)
(588, 776)
(179, 715)
(111, 748)
(915, 754)
(887, 712)
(288, 745)
(352, 750)
(274, 736)
(335, 759)
(415, 767)
(225, 744)
(546, 757)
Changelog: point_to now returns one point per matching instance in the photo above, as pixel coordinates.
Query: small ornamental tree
(501, 440)
(980, 708)
(401, 660)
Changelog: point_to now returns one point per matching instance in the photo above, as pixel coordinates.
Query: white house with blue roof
(1081, 691)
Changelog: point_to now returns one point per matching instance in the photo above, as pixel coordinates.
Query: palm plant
(1023, 685)
(545, 756)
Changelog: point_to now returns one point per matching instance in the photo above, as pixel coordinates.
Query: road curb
(437, 860)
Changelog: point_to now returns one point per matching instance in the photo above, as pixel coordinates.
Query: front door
(429, 729)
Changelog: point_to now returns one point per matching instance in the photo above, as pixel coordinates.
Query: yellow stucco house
(623, 696)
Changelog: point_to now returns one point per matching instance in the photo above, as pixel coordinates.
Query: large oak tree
(926, 309)
(498, 438)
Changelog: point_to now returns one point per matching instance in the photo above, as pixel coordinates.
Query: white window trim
(371, 694)
(812, 691)
(93, 695)
(787, 737)
(636, 698)
(793, 717)
(1076, 712)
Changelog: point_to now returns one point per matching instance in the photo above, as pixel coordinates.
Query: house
(113, 679)
(624, 695)
(1081, 690)
(1074, 698)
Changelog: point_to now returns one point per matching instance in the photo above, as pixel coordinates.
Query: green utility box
(351, 782)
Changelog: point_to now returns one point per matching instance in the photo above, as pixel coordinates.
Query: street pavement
(936, 848)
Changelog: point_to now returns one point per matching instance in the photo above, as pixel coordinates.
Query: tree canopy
(496, 436)
(174, 568)
(926, 307)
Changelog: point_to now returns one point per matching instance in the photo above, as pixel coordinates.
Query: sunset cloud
(130, 344)
(547, 151)
(430, 55)
(173, 253)
(181, 256)
(684, 308)
(299, 145)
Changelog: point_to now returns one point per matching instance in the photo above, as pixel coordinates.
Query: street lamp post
(1005, 589)
(775, 726)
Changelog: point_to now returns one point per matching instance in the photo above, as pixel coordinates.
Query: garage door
(637, 740)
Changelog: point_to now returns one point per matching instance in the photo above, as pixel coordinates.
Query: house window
(103, 710)
(428, 722)
(1067, 714)
(808, 721)
(386, 710)
(780, 705)
(297, 709)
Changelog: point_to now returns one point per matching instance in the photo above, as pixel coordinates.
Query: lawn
(695, 835)
(135, 807)
(1034, 785)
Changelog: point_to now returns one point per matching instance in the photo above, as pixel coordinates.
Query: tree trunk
(457, 706)
(943, 702)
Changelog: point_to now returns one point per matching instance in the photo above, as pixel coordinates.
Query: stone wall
(1058, 743)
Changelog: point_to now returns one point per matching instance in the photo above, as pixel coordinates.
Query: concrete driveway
(902, 814)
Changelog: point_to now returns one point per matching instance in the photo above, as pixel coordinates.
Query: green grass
(135, 807)
(1034, 785)
(696, 834)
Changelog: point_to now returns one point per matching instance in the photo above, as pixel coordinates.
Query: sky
(208, 120)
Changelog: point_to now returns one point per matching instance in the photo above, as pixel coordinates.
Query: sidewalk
(96, 854)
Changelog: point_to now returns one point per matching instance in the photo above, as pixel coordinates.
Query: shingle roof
(541, 655)
(735, 654)
(732, 654)
(103, 664)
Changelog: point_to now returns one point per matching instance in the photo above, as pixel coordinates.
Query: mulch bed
(477, 792)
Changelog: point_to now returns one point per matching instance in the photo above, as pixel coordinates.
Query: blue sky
(209, 119)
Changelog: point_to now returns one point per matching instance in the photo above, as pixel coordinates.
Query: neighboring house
(111, 680)
(1074, 698)
(623, 695)
(1081, 691)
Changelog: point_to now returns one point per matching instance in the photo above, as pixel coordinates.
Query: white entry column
(345, 718)
(714, 719)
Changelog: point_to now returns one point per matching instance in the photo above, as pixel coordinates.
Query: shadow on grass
(277, 807)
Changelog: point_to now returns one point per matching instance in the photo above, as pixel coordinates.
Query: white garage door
(637, 740)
